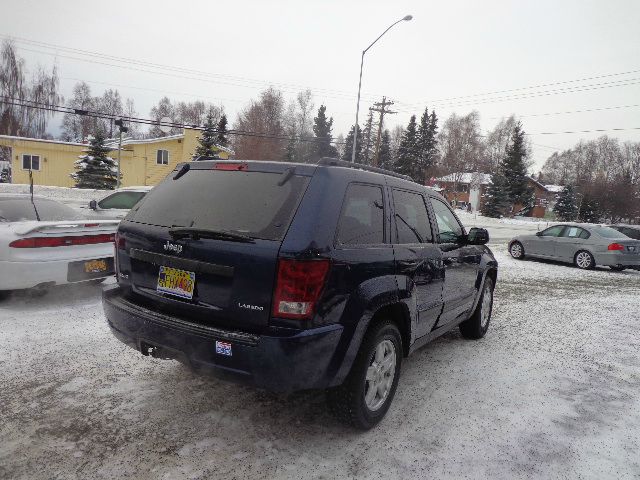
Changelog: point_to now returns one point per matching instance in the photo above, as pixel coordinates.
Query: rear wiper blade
(198, 233)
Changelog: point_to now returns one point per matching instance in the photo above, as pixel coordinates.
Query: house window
(162, 157)
(31, 162)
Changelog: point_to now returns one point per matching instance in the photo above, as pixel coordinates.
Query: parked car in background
(118, 203)
(45, 243)
(584, 245)
(631, 231)
(298, 276)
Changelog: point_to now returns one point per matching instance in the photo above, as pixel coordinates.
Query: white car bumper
(29, 274)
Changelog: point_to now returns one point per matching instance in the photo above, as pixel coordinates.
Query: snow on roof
(28, 139)
(484, 178)
(554, 188)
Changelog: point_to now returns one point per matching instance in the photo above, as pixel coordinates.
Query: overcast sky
(449, 50)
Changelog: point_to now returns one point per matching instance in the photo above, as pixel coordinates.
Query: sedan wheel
(584, 260)
(516, 250)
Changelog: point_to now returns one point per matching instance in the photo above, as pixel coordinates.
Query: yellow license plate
(176, 282)
(95, 266)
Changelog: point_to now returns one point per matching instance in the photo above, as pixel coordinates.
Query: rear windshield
(21, 210)
(257, 204)
(607, 232)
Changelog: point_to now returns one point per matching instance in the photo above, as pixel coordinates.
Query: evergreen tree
(514, 168)
(566, 207)
(590, 210)
(384, 155)
(408, 161)
(222, 138)
(207, 141)
(322, 129)
(368, 141)
(348, 146)
(96, 169)
(496, 199)
(290, 153)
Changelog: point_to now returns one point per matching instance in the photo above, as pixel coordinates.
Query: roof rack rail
(334, 162)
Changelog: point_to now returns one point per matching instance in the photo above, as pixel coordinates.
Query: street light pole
(355, 129)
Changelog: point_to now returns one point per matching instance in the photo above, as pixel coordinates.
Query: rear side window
(123, 200)
(362, 218)
(256, 204)
(575, 232)
(412, 220)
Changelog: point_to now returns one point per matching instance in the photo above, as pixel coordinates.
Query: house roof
(112, 142)
(467, 177)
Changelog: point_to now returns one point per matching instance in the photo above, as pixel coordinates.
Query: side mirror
(538, 234)
(478, 236)
(93, 205)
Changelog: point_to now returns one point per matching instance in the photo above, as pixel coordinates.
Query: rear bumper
(615, 258)
(282, 361)
(29, 274)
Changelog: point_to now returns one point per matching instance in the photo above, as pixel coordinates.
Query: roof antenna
(31, 193)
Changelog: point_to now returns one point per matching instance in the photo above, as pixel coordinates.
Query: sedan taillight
(44, 242)
(616, 247)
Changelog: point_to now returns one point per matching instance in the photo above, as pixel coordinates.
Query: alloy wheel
(380, 374)
(583, 260)
(516, 250)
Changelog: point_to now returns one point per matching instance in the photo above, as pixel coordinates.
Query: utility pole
(381, 108)
(121, 128)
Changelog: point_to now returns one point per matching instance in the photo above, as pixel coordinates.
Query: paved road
(551, 392)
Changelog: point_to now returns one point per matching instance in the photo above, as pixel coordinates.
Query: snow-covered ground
(75, 197)
(552, 391)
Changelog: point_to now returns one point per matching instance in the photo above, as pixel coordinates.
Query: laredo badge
(223, 348)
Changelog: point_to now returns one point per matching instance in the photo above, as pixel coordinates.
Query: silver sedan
(584, 245)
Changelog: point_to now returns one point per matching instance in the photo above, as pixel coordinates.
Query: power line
(147, 121)
(571, 112)
(542, 85)
(179, 72)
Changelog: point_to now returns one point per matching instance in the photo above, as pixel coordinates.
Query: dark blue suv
(297, 276)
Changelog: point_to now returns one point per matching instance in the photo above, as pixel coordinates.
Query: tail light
(298, 287)
(242, 167)
(43, 242)
(615, 246)
(120, 242)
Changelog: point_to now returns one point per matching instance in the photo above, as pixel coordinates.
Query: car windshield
(607, 232)
(21, 210)
(255, 204)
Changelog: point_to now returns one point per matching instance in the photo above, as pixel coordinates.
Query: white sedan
(45, 243)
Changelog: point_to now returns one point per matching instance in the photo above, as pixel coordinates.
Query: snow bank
(67, 195)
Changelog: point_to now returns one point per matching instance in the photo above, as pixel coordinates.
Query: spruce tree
(96, 169)
(322, 129)
(348, 146)
(566, 207)
(408, 161)
(222, 138)
(496, 199)
(384, 155)
(290, 153)
(514, 168)
(207, 141)
(590, 209)
(368, 141)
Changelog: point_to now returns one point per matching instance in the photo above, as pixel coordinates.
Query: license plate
(95, 266)
(176, 282)
(223, 348)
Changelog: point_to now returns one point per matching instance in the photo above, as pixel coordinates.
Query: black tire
(347, 401)
(477, 325)
(584, 260)
(617, 268)
(518, 247)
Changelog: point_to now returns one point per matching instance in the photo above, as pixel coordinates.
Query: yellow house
(143, 162)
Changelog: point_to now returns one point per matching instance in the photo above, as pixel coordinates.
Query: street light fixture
(406, 18)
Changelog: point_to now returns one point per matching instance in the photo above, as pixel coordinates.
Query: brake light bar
(242, 167)
(615, 246)
(298, 287)
(44, 242)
